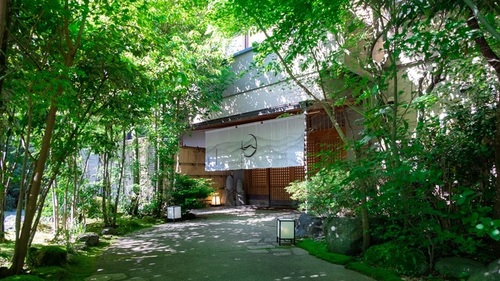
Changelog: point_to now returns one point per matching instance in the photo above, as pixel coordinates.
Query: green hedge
(319, 249)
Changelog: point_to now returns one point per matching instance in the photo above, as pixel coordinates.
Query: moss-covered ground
(319, 250)
(81, 263)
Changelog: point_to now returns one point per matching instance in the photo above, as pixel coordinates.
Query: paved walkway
(220, 244)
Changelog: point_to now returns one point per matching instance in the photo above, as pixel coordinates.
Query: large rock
(108, 231)
(458, 267)
(90, 239)
(309, 226)
(344, 235)
(491, 273)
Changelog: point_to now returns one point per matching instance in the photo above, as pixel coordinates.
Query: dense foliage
(424, 78)
(117, 83)
(190, 193)
(400, 258)
(102, 86)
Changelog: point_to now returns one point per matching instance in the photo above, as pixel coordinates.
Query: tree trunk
(4, 32)
(158, 183)
(5, 15)
(105, 178)
(494, 61)
(72, 203)
(496, 200)
(76, 189)
(120, 181)
(64, 222)
(365, 220)
(5, 179)
(55, 211)
(22, 242)
(136, 176)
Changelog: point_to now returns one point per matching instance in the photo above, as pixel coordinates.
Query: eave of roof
(248, 117)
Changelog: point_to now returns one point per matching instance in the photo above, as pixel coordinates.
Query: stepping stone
(107, 277)
(259, 251)
(299, 251)
(253, 240)
(281, 252)
(260, 247)
(98, 278)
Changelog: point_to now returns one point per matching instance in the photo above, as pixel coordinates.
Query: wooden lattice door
(279, 179)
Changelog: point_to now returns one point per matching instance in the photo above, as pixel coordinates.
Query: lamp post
(174, 212)
(285, 230)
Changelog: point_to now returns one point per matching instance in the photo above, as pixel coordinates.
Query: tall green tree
(53, 91)
(5, 19)
(187, 71)
(372, 51)
(63, 77)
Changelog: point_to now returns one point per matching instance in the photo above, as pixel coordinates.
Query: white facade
(256, 90)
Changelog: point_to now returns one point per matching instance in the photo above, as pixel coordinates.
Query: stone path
(235, 244)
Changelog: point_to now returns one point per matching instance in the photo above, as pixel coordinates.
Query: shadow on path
(220, 244)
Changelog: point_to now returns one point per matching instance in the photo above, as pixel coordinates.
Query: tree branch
(485, 49)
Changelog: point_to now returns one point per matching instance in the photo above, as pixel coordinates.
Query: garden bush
(189, 192)
(323, 194)
(402, 259)
(47, 256)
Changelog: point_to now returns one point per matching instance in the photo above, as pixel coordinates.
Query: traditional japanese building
(267, 134)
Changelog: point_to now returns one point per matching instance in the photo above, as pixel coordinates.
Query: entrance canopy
(276, 143)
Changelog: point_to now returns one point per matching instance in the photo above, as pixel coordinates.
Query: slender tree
(370, 50)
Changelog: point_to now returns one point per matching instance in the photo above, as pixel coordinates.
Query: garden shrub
(47, 256)
(189, 192)
(150, 208)
(324, 193)
(402, 259)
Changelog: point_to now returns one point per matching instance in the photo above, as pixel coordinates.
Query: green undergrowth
(376, 273)
(81, 263)
(125, 225)
(319, 249)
